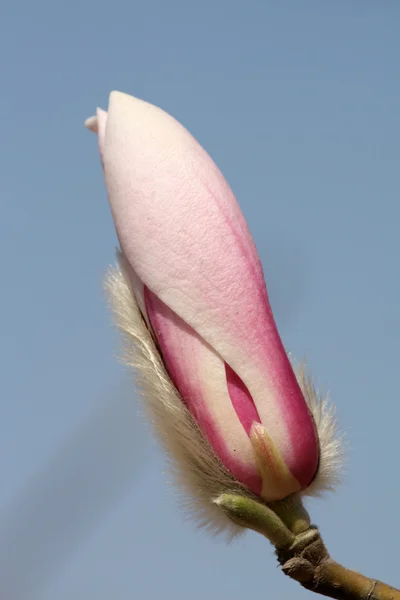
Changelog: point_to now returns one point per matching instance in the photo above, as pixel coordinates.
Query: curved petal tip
(92, 124)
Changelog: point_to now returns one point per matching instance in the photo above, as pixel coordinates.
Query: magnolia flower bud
(214, 369)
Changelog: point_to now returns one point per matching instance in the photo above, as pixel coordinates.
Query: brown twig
(308, 562)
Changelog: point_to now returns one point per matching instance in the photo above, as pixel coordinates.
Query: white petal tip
(92, 124)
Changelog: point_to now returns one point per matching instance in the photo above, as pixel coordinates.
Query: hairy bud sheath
(188, 262)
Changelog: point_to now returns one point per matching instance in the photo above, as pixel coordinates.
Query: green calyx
(251, 514)
(280, 522)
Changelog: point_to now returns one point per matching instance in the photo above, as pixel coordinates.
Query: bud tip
(92, 124)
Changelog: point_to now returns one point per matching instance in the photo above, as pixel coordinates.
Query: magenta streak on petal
(296, 414)
(241, 400)
(304, 464)
(163, 320)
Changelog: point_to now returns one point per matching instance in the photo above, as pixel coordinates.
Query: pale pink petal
(184, 235)
(136, 286)
(200, 376)
(101, 130)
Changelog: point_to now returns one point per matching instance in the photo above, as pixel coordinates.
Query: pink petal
(199, 374)
(184, 235)
(241, 400)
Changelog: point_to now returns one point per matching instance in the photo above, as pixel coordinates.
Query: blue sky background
(298, 103)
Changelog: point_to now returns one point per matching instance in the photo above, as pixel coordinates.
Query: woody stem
(308, 562)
